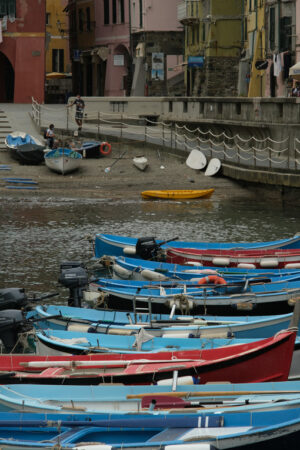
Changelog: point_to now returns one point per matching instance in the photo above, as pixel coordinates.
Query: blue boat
(133, 399)
(63, 160)
(107, 244)
(111, 322)
(90, 149)
(266, 298)
(141, 269)
(278, 428)
(25, 148)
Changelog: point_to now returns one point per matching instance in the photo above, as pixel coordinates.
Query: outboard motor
(12, 322)
(12, 298)
(74, 277)
(148, 248)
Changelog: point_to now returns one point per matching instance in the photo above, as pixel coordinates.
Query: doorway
(7, 80)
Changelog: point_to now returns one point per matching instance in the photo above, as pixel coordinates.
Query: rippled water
(37, 235)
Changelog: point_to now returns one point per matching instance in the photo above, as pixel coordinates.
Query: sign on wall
(158, 72)
(195, 61)
(76, 55)
(118, 60)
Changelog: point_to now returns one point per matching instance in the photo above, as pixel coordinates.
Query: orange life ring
(211, 279)
(105, 148)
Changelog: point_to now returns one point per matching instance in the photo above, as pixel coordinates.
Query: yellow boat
(178, 194)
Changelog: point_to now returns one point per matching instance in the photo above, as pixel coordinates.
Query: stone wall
(220, 77)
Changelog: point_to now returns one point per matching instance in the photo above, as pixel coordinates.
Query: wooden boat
(108, 244)
(60, 399)
(279, 428)
(90, 149)
(178, 194)
(25, 148)
(271, 358)
(63, 160)
(140, 269)
(248, 258)
(140, 162)
(196, 160)
(268, 298)
(241, 327)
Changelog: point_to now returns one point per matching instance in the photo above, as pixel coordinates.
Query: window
(121, 11)
(141, 13)
(203, 33)
(285, 34)
(80, 19)
(133, 14)
(88, 19)
(106, 12)
(272, 28)
(7, 7)
(58, 60)
(48, 15)
(114, 11)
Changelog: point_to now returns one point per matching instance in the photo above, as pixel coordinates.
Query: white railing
(265, 153)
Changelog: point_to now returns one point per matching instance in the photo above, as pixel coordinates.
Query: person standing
(50, 136)
(80, 105)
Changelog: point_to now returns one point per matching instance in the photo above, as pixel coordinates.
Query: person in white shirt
(50, 136)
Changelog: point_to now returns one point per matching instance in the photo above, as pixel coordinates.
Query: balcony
(188, 12)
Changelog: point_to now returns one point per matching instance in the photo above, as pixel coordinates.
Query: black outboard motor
(12, 298)
(148, 248)
(12, 322)
(74, 277)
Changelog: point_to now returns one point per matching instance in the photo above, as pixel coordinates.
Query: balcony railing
(188, 12)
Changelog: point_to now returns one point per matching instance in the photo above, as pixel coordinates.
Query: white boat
(140, 162)
(196, 160)
(63, 160)
(213, 167)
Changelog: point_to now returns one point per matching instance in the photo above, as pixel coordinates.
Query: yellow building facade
(57, 52)
(212, 31)
(57, 37)
(255, 45)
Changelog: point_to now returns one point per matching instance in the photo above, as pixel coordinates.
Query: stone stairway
(5, 129)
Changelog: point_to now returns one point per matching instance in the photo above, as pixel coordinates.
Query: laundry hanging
(277, 64)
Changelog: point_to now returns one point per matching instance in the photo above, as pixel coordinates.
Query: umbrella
(56, 75)
(294, 71)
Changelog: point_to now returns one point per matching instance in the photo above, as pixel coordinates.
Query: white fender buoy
(202, 271)
(176, 335)
(121, 272)
(180, 381)
(153, 276)
(221, 261)
(292, 266)
(130, 250)
(269, 262)
(246, 266)
(193, 263)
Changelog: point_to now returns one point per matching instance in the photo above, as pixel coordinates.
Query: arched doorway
(7, 80)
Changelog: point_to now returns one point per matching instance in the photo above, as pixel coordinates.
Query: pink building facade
(22, 51)
(112, 41)
(157, 40)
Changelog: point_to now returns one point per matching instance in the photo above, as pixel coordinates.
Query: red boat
(263, 360)
(250, 259)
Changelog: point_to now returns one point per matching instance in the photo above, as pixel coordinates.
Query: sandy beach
(123, 180)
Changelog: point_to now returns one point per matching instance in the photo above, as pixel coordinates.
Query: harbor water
(37, 234)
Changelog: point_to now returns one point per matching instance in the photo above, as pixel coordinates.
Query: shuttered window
(7, 7)
(272, 28)
(58, 60)
(285, 34)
